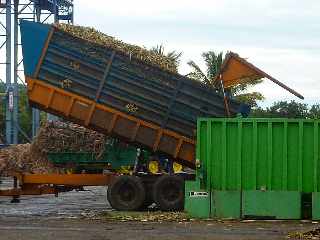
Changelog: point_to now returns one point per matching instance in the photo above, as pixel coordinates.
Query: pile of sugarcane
(309, 235)
(52, 137)
(22, 158)
(100, 39)
(68, 137)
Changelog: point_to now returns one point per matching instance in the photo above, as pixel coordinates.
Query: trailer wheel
(168, 193)
(126, 193)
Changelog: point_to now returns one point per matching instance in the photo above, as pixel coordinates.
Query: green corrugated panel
(259, 154)
(197, 200)
(226, 204)
(316, 206)
(271, 204)
(316, 157)
(262, 155)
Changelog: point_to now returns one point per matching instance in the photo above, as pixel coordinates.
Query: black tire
(168, 193)
(148, 186)
(126, 193)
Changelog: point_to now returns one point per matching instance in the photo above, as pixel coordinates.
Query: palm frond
(213, 62)
(175, 56)
(197, 73)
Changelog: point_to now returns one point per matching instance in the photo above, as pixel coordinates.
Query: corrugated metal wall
(259, 154)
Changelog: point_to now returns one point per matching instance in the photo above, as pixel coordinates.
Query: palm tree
(174, 56)
(213, 62)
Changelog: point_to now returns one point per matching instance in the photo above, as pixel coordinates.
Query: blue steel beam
(9, 120)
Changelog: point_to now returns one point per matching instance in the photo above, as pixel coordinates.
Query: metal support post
(15, 74)
(15, 199)
(9, 124)
(36, 112)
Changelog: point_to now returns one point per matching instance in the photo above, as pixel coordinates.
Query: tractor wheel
(168, 193)
(126, 193)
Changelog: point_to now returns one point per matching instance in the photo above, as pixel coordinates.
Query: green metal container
(248, 165)
(259, 154)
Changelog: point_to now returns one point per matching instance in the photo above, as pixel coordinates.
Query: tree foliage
(314, 112)
(250, 98)
(284, 109)
(213, 64)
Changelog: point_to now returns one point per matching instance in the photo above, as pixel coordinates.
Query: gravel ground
(80, 215)
(68, 205)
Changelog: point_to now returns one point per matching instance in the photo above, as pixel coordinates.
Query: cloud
(235, 11)
(280, 37)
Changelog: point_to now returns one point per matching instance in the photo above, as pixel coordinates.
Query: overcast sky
(282, 37)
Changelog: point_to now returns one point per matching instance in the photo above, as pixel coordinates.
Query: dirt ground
(82, 216)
